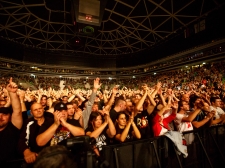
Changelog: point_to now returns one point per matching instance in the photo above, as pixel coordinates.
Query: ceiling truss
(127, 27)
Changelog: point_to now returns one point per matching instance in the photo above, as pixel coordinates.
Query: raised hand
(21, 94)
(62, 121)
(105, 111)
(115, 90)
(174, 105)
(131, 118)
(160, 91)
(159, 85)
(97, 84)
(145, 87)
(106, 117)
(169, 91)
(12, 87)
(57, 116)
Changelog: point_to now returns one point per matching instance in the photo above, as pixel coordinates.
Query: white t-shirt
(218, 110)
(182, 126)
(163, 131)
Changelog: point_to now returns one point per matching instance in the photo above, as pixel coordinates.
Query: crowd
(172, 61)
(212, 72)
(110, 111)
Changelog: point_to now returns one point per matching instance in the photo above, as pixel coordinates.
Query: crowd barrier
(206, 151)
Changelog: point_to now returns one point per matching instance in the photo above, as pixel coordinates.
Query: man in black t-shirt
(61, 129)
(120, 105)
(27, 145)
(10, 123)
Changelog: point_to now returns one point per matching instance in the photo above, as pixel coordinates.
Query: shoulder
(11, 128)
(47, 123)
(145, 113)
(112, 111)
(48, 114)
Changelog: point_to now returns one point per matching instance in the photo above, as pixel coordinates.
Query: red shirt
(156, 124)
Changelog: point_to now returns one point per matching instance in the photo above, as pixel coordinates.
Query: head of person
(97, 99)
(185, 97)
(120, 105)
(129, 106)
(146, 103)
(121, 119)
(5, 117)
(195, 100)
(49, 100)
(215, 101)
(183, 105)
(95, 107)
(32, 97)
(37, 110)
(75, 104)
(138, 96)
(44, 100)
(95, 120)
(65, 99)
(55, 157)
(62, 108)
(70, 109)
(100, 95)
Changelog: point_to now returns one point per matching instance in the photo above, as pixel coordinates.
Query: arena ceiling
(127, 26)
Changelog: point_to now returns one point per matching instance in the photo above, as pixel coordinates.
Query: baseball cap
(6, 110)
(60, 106)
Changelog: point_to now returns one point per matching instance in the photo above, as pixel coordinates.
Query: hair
(69, 103)
(120, 113)
(213, 99)
(55, 157)
(83, 104)
(93, 117)
(119, 101)
(54, 103)
(95, 103)
(117, 117)
(34, 104)
(180, 104)
(75, 102)
(193, 98)
(64, 97)
(44, 96)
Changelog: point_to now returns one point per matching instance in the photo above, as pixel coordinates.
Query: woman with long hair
(126, 131)
(101, 128)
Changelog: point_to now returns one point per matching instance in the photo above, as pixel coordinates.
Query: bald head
(120, 105)
(37, 110)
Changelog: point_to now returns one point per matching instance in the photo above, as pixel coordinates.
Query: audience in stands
(109, 111)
